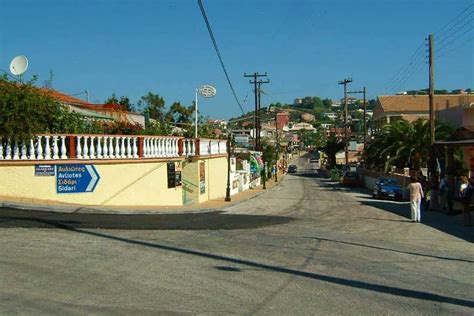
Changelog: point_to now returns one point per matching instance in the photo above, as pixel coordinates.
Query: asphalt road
(306, 247)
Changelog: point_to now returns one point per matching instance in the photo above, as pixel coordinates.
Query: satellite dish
(18, 65)
(207, 91)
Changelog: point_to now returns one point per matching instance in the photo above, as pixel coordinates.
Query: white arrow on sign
(94, 178)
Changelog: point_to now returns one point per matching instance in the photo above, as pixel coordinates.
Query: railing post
(72, 147)
(140, 146)
(180, 146)
(198, 146)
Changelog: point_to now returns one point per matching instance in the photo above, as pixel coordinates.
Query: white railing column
(16, 155)
(85, 149)
(39, 148)
(24, 155)
(8, 151)
(135, 147)
(47, 149)
(63, 147)
(129, 148)
(31, 150)
(92, 148)
(122, 148)
(99, 147)
(105, 153)
(117, 147)
(55, 147)
(78, 147)
(1, 148)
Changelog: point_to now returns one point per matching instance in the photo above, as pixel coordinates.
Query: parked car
(292, 169)
(351, 178)
(387, 188)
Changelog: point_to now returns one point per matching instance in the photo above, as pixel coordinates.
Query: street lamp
(277, 141)
(206, 91)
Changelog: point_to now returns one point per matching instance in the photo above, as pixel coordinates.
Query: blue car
(387, 188)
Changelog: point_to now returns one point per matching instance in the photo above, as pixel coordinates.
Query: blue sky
(132, 47)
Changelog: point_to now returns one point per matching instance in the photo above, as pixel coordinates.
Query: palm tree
(331, 148)
(404, 144)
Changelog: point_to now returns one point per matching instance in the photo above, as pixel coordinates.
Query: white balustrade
(31, 152)
(15, 152)
(99, 147)
(129, 148)
(85, 148)
(135, 147)
(55, 147)
(39, 148)
(24, 155)
(63, 148)
(78, 148)
(92, 148)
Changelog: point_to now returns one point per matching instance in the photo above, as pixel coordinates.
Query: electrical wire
(441, 30)
(449, 36)
(211, 34)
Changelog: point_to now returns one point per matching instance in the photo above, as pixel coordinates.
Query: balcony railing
(108, 147)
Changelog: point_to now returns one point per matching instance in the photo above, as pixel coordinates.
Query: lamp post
(229, 147)
(206, 91)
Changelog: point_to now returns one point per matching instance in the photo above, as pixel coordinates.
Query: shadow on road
(195, 221)
(391, 250)
(433, 219)
(379, 288)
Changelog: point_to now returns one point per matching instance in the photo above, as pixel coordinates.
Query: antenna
(19, 65)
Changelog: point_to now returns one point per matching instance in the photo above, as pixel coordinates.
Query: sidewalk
(208, 206)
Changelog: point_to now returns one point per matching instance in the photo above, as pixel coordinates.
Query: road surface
(305, 247)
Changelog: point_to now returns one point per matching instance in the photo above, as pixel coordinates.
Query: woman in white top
(416, 194)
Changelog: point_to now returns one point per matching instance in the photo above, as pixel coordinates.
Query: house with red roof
(107, 112)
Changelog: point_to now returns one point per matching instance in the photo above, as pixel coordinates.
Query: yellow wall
(141, 184)
(215, 175)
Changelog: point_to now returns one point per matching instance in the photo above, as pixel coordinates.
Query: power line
(203, 12)
(454, 32)
(440, 31)
(455, 39)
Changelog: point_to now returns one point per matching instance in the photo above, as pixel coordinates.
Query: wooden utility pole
(432, 176)
(345, 82)
(259, 122)
(364, 92)
(431, 88)
(256, 89)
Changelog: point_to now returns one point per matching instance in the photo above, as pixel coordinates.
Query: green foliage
(124, 101)
(154, 105)
(331, 147)
(403, 144)
(179, 114)
(26, 111)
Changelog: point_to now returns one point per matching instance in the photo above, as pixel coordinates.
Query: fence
(108, 147)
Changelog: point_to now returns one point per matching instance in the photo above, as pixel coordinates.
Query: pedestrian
(416, 194)
(443, 191)
(466, 194)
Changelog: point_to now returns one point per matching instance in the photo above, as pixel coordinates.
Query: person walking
(416, 194)
(443, 191)
(467, 192)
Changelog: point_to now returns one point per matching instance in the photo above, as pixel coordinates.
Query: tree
(332, 146)
(124, 102)
(26, 111)
(154, 105)
(327, 103)
(403, 144)
(179, 114)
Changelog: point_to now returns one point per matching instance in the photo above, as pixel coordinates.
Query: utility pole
(345, 82)
(259, 122)
(256, 91)
(364, 92)
(431, 93)
(432, 165)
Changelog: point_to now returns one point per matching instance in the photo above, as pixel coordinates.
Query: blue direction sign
(76, 178)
